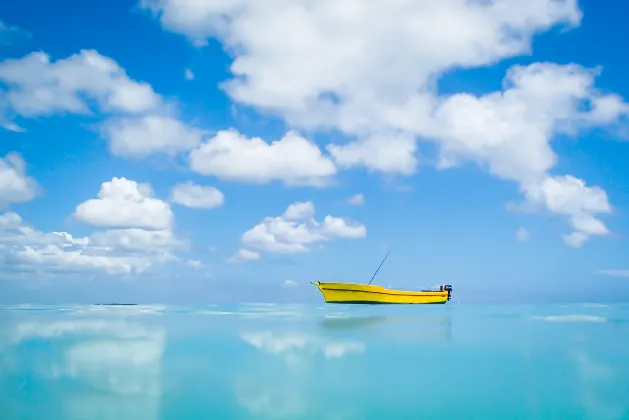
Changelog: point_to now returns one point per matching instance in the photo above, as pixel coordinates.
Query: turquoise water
(261, 361)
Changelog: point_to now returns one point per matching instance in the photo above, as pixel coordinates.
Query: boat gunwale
(381, 291)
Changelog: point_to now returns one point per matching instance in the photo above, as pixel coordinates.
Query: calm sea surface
(262, 361)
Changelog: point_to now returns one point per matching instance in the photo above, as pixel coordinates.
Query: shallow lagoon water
(265, 361)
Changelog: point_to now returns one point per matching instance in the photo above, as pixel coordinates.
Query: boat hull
(367, 294)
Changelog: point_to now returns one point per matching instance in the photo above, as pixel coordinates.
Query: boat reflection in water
(350, 322)
(429, 327)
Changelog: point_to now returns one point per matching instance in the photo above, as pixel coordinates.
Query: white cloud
(356, 200)
(293, 160)
(9, 125)
(346, 51)
(570, 196)
(138, 121)
(196, 264)
(615, 273)
(38, 86)
(58, 258)
(289, 283)
(393, 154)
(9, 33)
(188, 74)
(297, 230)
(200, 43)
(337, 71)
(196, 196)
(15, 185)
(136, 239)
(510, 132)
(522, 235)
(124, 203)
(244, 255)
(150, 134)
(15, 231)
(301, 210)
(575, 239)
(115, 251)
(24, 248)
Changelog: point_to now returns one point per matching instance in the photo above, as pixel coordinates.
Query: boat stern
(448, 289)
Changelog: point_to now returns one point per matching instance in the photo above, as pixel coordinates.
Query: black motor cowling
(448, 289)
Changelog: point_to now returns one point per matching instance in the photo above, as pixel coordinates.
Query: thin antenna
(374, 274)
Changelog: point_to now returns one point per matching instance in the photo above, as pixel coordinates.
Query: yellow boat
(366, 293)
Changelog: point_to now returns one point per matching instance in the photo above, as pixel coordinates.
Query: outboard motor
(448, 289)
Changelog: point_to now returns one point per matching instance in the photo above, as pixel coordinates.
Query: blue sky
(194, 151)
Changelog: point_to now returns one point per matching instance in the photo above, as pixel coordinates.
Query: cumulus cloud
(337, 71)
(292, 160)
(137, 239)
(522, 235)
(393, 154)
(112, 251)
(570, 196)
(244, 255)
(10, 33)
(196, 264)
(538, 101)
(123, 203)
(27, 249)
(289, 283)
(356, 200)
(297, 231)
(138, 121)
(139, 236)
(301, 210)
(188, 74)
(339, 59)
(197, 196)
(509, 132)
(149, 134)
(15, 185)
(38, 86)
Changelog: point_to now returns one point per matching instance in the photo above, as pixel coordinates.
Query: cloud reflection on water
(263, 361)
(290, 389)
(595, 381)
(94, 368)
